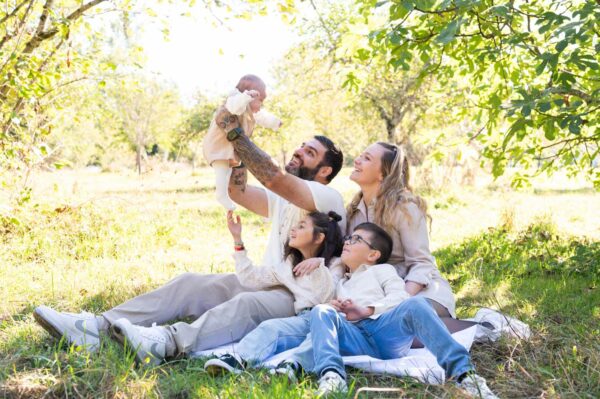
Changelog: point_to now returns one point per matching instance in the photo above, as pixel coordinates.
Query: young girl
(316, 236)
(245, 102)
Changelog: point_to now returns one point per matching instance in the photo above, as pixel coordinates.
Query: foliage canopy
(533, 69)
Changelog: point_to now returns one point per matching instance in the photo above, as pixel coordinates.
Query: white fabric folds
(418, 363)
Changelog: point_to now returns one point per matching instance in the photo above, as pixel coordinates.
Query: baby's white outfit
(219, 152)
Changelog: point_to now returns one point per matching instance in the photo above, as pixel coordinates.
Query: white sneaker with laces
(288, 368)
(477, 387)
(80, 329)
(331, 382)
(502, 325)
(150, 343)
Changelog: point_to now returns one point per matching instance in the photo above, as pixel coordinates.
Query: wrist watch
(234, 133)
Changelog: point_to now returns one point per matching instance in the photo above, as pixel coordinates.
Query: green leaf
(408, 5)
(495, 100)
(560, 46)
(540, 68)
(549, 129)
(517, 126)
(447, 34)
(544, 106)
(500, 11)
(574, 128)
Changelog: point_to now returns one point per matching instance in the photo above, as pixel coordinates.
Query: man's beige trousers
(224, 310)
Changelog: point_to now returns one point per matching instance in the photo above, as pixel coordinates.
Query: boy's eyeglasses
(354, 238)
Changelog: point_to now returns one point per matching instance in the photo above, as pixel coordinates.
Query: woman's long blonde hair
(394, 190)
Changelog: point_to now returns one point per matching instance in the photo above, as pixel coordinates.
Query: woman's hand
(235, 226)
(355, 312)
(307, 266)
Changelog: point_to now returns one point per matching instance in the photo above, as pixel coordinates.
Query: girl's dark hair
(331, 245)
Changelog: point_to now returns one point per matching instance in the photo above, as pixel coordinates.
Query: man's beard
(303, 172)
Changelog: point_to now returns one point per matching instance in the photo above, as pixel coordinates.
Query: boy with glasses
(371, 315)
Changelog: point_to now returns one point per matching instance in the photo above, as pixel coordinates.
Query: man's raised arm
(262, 166)
(252, 198)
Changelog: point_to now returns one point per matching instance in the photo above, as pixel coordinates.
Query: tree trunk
(138, 158)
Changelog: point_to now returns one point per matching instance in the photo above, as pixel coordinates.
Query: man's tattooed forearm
(239, 178)
(256, 160)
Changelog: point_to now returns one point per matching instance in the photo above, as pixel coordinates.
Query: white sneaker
(476, 387)
(291, 369)
(80, 329)
(149, 343)
(221, 364)
(331, 382)
(484, 334)
(502, 325)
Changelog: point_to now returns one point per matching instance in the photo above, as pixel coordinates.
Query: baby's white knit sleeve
(266, 119)
(237, 102)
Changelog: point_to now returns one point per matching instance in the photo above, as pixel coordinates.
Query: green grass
(86, 249)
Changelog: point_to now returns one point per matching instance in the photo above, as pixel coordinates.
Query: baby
(245, 102)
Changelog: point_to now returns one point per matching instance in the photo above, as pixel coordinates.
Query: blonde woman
(386, 198)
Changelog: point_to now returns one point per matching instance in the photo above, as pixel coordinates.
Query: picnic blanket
(418, 363)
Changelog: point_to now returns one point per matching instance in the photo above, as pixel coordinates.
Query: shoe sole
(216, 370)
(49, 327)
(117, 334)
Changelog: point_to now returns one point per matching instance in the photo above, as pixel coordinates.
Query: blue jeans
(274, 336)
(387, 337)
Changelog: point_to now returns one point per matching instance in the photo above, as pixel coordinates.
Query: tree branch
(40, 37)
(438, 12)
(44, 17)
(9, 36)
(13, 12)
(574, 92)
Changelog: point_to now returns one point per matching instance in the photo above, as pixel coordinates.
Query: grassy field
(91, 240)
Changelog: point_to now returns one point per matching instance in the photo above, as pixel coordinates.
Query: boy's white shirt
(237, 103)
(308, 290)
(377, 286)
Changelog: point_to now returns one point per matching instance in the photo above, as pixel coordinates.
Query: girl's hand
(307, 266)
(354, 312)
(252, 93)
(235, 226)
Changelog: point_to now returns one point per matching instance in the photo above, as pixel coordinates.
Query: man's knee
(248, 300)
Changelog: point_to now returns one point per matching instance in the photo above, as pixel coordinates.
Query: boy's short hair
(380, 240)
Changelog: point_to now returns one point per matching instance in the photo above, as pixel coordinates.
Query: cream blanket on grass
(418, 363)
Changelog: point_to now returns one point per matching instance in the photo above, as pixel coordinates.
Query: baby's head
(253, 82)
(369, 244)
